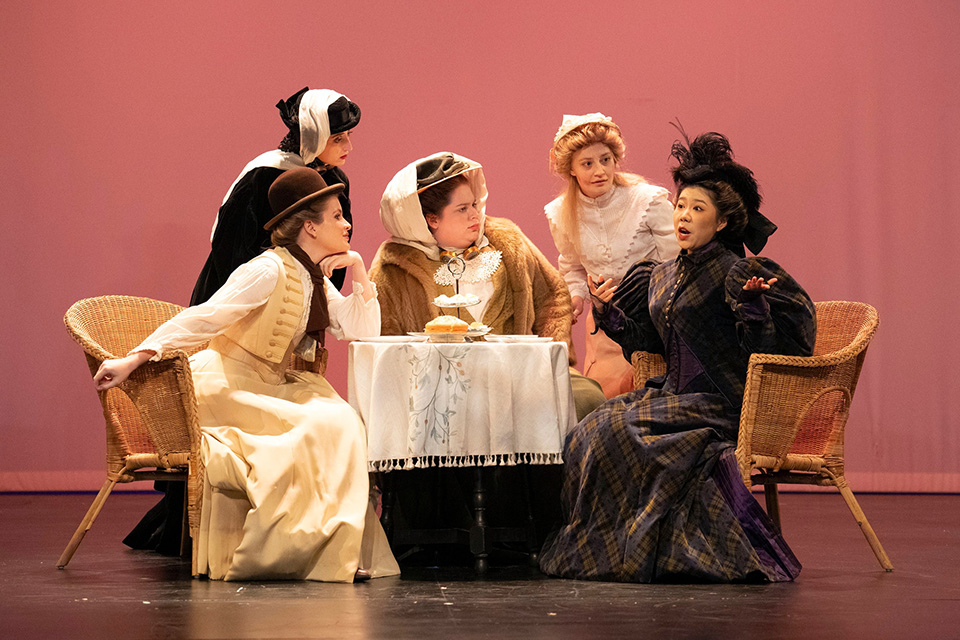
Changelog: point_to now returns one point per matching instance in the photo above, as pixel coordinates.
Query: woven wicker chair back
(108, 327)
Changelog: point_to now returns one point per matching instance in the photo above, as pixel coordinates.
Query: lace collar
(480, 269)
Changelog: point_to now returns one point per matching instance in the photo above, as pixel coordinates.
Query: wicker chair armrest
(174, 354)
(847, 352)
(645, 366)
(162, 391)
(89, 346)
(807, 362)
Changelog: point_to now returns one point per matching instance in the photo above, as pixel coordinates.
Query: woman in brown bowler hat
(286, 492)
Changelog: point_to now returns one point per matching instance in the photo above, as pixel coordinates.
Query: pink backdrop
(123, 123)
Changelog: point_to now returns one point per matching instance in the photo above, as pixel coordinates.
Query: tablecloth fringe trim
(488, 460)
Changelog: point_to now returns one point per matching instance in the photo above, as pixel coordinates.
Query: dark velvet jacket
(693, 311)
(240, 235)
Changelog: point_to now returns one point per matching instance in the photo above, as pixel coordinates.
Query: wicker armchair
(645, 366)
(151, 419)
(795, 410)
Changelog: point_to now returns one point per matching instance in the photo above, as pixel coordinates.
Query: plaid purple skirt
(652, 493)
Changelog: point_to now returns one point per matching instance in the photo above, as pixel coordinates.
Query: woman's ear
(433, 221)
(310, 227)
(721, 224)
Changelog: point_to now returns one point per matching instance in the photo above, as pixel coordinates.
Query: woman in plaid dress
(651, 490)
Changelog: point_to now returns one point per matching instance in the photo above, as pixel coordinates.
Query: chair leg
(865, 527)
(185, 523)
(195, 559)
(772, 498)
(86, 523)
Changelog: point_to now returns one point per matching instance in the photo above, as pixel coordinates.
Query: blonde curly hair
(561, 163)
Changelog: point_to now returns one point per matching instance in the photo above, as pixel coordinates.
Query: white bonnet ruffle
(572, 122)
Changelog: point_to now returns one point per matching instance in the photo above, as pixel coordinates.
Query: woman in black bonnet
(320, 123)
(652, 491)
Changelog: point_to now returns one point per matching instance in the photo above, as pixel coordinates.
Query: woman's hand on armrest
(113, 372)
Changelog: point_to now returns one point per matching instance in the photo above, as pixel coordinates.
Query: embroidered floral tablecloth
(459, 405)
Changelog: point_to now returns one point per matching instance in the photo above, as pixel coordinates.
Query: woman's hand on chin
(358, 271)
(340, 260)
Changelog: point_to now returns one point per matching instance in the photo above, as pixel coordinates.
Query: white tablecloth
(466, 404)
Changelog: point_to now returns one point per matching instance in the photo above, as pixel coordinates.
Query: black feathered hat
(709, 158)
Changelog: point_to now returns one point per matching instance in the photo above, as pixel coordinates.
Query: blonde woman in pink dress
(603, 222)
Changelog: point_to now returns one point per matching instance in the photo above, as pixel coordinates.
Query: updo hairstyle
(707, 162)
(288, 229)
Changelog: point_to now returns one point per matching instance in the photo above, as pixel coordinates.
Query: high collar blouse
(626, 224)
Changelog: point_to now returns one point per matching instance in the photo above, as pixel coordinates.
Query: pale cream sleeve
(352, 317)
(659, 219)
(569, 264)
(247, 288)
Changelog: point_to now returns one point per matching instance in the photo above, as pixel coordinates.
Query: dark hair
(708, 163)
(729, 206)
(435, 197)
(288, 230)
(289, 113)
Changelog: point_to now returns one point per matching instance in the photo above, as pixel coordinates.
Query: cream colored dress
(286, 491)
(627, 224)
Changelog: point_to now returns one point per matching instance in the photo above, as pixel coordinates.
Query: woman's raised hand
(113, 372)
(602, 290)
(758, 284)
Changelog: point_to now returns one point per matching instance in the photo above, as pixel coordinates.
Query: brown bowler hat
(294, 190)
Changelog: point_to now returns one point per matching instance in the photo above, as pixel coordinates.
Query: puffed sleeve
(569, 262)
(352, 317)
(238, 233)
(781, 320)
(659, 219)
(247, 288)
(626, 318)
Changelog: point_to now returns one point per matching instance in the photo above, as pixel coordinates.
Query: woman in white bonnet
(604, 221)
(435, 209)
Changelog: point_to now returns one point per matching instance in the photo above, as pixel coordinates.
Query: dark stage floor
(110, 591)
